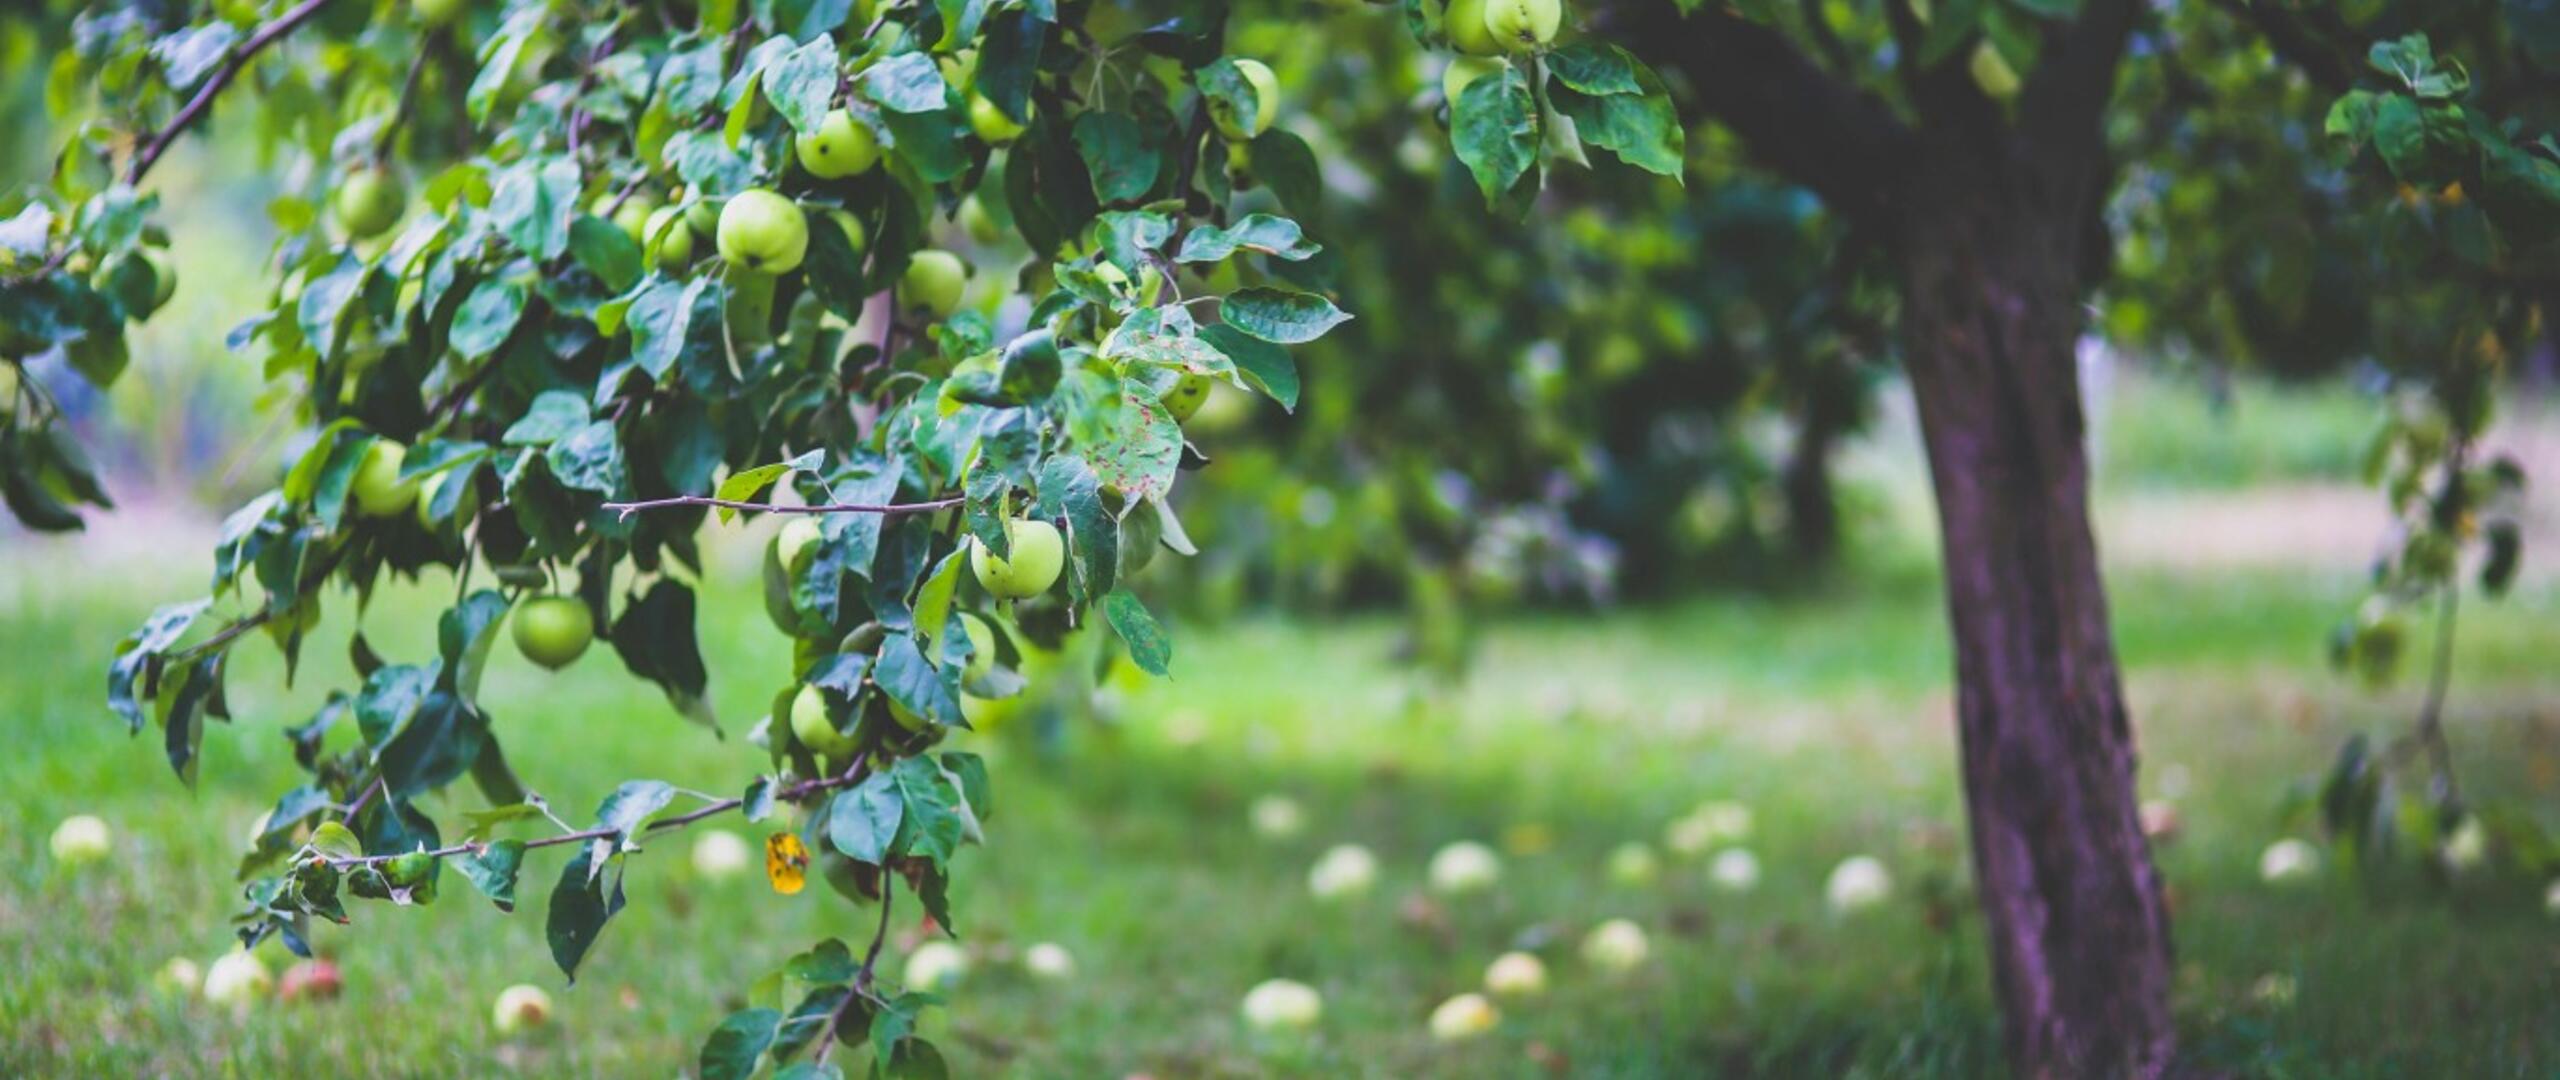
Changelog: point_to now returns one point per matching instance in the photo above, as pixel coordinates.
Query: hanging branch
(626, 509)
(197, 106)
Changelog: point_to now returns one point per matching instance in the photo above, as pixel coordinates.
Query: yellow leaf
(786, 863)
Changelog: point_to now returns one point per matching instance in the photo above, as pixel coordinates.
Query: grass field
(1128, 842)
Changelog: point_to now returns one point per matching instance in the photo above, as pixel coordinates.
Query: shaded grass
(1126, 841)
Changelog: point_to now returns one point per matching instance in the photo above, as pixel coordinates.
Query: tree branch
(889, 509)
(794, 793)
(1813, 127)
(196, 106)
(2064, 100)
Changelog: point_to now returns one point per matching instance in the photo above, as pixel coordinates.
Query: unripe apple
(1468, 31)
(370, 202)
(81, 839)
(1463, 71)
(1035, 554)
(797, 544)
(1633, 865)
(520, 1008)
(428, 488)
(1734, 870)
(1463, 1017)
(719, 853)
(704, 217)
(855, 236)
(1266, 104)
(1991, 72)
(1048, 960)
(2468, 847)
(554, 631)
(1615, 946)
(978, 223)
(982, 645)
(377, 487)
(1187, 396)
(164, 278)
(1282, 1006)
(1277, 817)
(1345, 871)
(763, 232)
(1522, 26)
(990, 122)
(666, 240)
(1516, 975)
(936, 965)
(934, 280)
(815, 727)
(1726, 821)
(179, 977)
(1858, 883)
(311, 980)
(839, 148)
(631, 216)
(2551, 899)
(1464, 867)
(237, 979)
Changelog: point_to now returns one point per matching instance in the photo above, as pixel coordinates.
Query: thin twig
(626, 509)
(196, 106)
(408, 98)
(861, 988)
(794, 793)
(357, 807)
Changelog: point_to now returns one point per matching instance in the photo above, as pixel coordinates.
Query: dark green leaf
(1279, 315)
(736, 1045)
(1148, 647)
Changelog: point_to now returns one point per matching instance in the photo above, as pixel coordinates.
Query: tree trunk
(1813, 508)
(2079, 939)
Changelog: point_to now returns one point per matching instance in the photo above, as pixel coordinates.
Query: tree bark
(2071, 901)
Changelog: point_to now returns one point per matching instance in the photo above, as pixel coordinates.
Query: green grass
(2167, 429)
(1127, 841)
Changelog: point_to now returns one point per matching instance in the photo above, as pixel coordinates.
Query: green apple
(720, 853)
(839, 148)
(1266, 104)
(554, 631)
(1187, 396)
(1282, 1006)
(81, 839)
(960, 69)
(1463, 72)
(1468, 33)
(164, 277)
(666, 239)
(990, 122)
(520, 1008)
(439, 12)
(1516, 975)
(815, 726)
(180, 977)
(1048, 960)
(1464, 1017)
(377, 487)
(1616, 946)
(1464, 867)
(1523, 26)
(936, 965)
(427, 490)
(236, 980)
(704, 216)
(855, 236)
(982, 644)
(933, 281)
(1036, 553)
(1991, 72)
(370, 202)
(763, 232)
(978, 223)
(797, 544)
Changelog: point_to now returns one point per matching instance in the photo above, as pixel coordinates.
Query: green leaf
(464, 635)
(580, 906)
(1141, 449)
(1118, 155)
(1284, 161)
(907, 83)
(441, 740)
(606, 251)
(827, 963)
(1148, 647)
(553, 416)
(1595, 67)
(1642, 129)
(903, 673)
(1282, 316)
(533, 204)
(588, 459)
(487, 316)
(336, 841)
(739, 1042)
(493, 871)
(1069, 488)
(1268, 367)
(655, 637)
(1227, 89)
(936, 817)
(802, 86)
(1494, 126)
(863, 822)
(745, 485)
(631, 804)
(1266, 233)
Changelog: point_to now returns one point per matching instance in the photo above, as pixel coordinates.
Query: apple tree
(562, 284)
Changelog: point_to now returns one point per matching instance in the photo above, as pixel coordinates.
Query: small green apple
(934, 281)
(554, 631)
(81, 839)
(1463, 71)
(815, 726)
(1282, 1006)
(370, 202)
(180, 977)
(797, 544)
(1464, 1017)
(1036, 554)
(720, 853)
(520, 1008)
(666, 239)
(1991, 72)
(1048, 960)
(377, 487)
(426, 502)
(1615, 946)
(1523, 26)
(237, 980)
(978, 223)
(763, 232)
(704, 216)
(990, 122)
(1266, 104)
(1187, 396)
(1343, 872)
(855, 236)
(1464, 867)
(1465, 23)
(982, 644)
(164, 277)
(1516, 975)
(841, 147)
(936, 965)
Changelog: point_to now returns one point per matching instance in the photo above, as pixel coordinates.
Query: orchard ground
(1127, 840)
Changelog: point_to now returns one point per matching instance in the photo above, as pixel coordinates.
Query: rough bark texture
(2071, 902)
